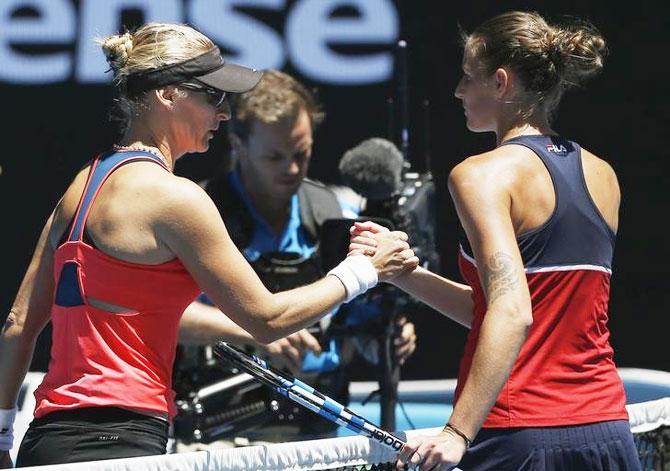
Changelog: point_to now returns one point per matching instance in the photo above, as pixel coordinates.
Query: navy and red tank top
(565, 373)
(103, 358)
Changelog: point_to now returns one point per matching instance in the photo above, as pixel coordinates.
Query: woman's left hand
(439, 452)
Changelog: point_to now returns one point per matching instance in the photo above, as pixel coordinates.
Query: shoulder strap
(101, 168)
(317, 204)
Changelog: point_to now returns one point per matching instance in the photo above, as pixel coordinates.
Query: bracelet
(465, 438)
(357, 274)
(7, 428)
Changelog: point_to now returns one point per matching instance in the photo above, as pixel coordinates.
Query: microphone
(373, 168)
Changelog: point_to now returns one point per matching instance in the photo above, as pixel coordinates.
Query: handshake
(389, 250)
(375, 254)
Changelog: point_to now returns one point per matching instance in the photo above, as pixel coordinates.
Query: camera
(410, 209)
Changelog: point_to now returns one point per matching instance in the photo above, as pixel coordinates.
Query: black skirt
(89, 434)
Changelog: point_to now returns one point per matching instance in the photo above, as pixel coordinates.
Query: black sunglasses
(215, 97)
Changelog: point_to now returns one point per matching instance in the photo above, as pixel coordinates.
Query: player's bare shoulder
(143, 195)
(470, 167)
(179, 198)
(603, 186)
(489, 170)
(597, 168)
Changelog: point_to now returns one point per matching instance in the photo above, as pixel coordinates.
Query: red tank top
(565, 372)
(102, 358)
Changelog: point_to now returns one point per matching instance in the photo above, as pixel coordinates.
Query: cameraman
(271, 209)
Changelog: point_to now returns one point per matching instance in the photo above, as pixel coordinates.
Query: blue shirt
(264, 240)
(293, 238)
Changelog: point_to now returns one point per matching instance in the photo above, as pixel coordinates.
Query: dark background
(50, 131)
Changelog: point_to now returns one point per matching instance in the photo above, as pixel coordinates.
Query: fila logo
(560, 149)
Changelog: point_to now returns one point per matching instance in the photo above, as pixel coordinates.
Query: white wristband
(357, 274)
(7, 417)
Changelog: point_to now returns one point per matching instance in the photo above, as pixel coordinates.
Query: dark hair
(548, 59)
(277, 96)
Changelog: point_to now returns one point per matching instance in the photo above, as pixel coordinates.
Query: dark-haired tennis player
(537, 388)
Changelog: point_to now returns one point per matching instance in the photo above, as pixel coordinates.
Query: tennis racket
(306, 395)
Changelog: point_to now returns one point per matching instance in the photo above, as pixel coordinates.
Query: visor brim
(232, 78)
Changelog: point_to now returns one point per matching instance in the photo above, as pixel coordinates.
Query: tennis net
(650, 423)
(355, 453)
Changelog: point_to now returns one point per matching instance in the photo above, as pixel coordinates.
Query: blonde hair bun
(117, 49)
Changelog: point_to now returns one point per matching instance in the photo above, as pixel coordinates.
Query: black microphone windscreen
(373, 168)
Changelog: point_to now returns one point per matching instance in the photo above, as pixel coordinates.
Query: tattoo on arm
(500, 276)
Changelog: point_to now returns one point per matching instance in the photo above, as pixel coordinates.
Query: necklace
(149, 149)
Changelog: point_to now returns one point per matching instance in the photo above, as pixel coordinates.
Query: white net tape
(650, 415)
(332, 453)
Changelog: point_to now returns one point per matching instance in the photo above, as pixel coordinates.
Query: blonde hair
(151, 46)
(276, 97)
(548, 59)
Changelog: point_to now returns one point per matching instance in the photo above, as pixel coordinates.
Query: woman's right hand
(391, 255)
(362, 238)
(5, 460)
